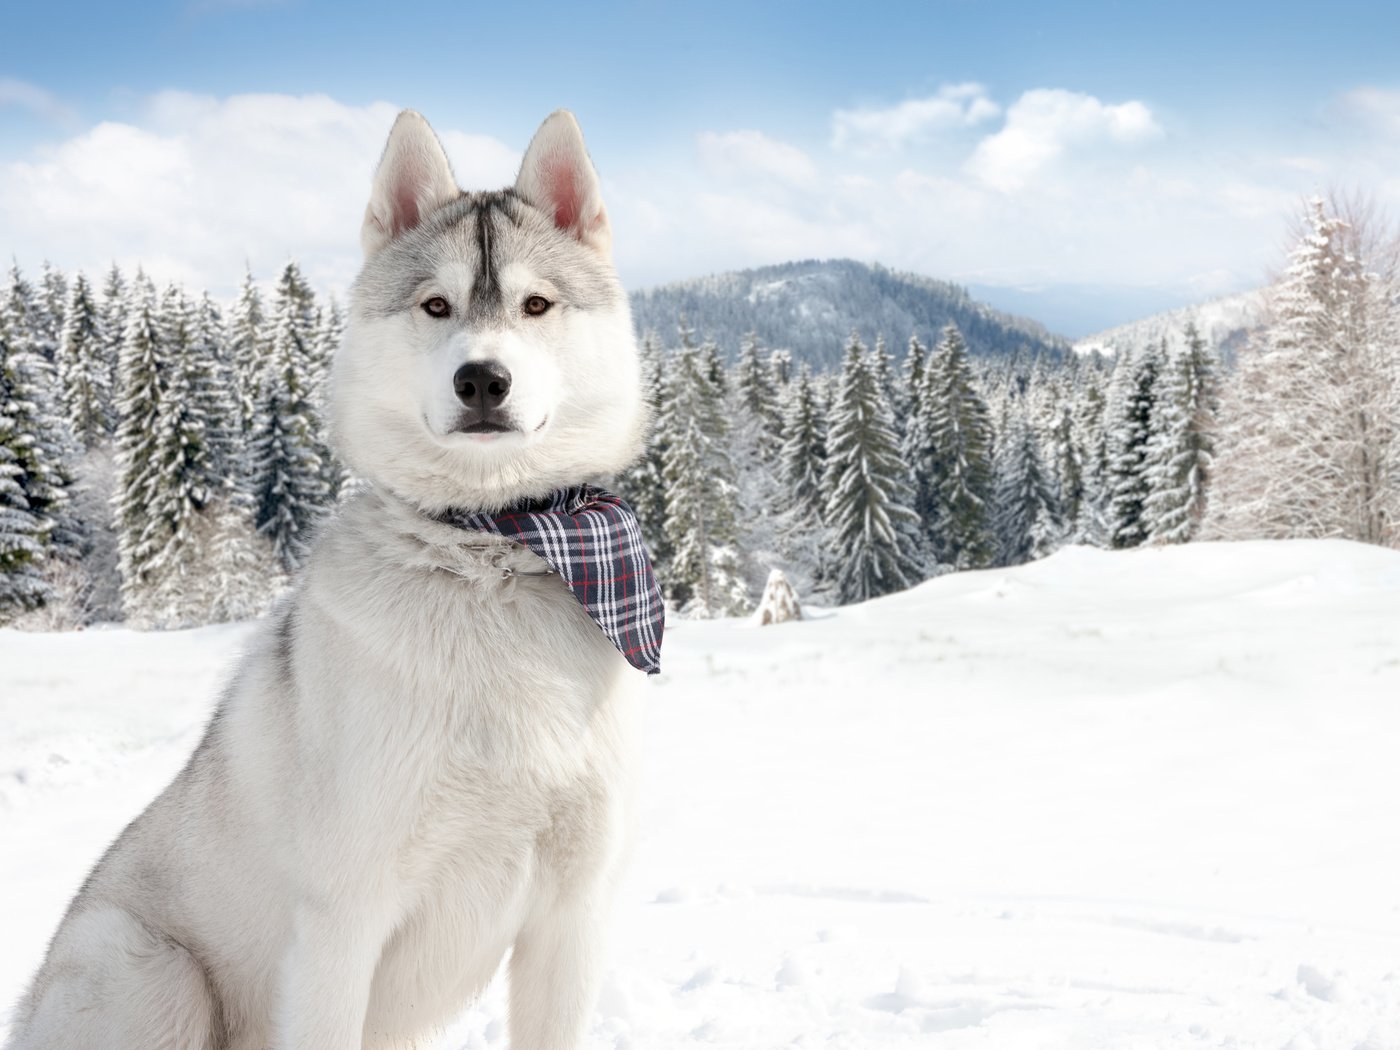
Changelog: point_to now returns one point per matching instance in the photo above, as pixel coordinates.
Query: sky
(1084, 164)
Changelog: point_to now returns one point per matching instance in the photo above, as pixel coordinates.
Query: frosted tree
(1129, 426)
(906, 403)
(780, 370)
(248, 347)
(83, 369)
(873, 530)
(140, 392)
(755, 437)
(288, 482)
(1310, 445)
(50, 304)
(1066, 469)
(1028, 522)
(705, 577)
(23, 529)
(948, 446)
(1090, 524)
(642, 484)
(802, 460)
(1181, 447)
(112, 322)
(756, 395)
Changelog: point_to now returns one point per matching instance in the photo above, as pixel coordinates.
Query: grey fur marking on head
(486, 230)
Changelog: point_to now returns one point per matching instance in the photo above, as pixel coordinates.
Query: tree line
(163, 459)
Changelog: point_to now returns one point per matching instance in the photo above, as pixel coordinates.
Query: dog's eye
(536, 305)
(437, 306)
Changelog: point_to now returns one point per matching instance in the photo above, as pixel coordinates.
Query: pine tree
(874, 531)
(24, 531)
(757, 396)
(249, 346)
(906, 402)
(1131, 404)
(705, 578)
(948, 446)
(288, 483)
(83, 370)
(139, 398)
(1028, 523)
(50, 307)
(1066, 470)
(112, 323)
(1312, 447)
(1090, 525)
(1180, 450)
(642, 484)
(802, 462)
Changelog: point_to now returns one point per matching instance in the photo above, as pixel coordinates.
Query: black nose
(481, 384)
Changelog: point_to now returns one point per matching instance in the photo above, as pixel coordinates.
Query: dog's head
(489, 354)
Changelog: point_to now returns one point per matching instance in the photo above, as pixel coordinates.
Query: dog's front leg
(326, 978)
(554, 975)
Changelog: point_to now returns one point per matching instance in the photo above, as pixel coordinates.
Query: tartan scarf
(594, 542)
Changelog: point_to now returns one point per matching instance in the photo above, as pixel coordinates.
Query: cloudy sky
(1084, 163)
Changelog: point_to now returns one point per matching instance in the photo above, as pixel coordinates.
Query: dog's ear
(413, 178)
(557, 177)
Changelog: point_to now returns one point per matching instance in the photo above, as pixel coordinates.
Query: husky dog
(425, 760)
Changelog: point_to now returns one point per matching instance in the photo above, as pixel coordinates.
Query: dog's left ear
(557, 177)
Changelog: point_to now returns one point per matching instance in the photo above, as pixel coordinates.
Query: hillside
(810, 307)
(1225, 323)
(1107, 799)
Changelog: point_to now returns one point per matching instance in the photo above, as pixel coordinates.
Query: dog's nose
(481, 384)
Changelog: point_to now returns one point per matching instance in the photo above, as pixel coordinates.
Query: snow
(1107, 799)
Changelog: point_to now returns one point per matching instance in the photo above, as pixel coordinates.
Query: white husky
(422, 763)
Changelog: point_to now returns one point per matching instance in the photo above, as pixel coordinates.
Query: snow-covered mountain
(810, 308)
(1225, 323)
(1107, 799)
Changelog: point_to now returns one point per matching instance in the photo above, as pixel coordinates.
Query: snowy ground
(1145, 799)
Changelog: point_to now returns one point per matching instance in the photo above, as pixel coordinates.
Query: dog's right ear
(413, 179)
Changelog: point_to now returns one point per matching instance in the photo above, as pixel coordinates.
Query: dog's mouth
(484, 426)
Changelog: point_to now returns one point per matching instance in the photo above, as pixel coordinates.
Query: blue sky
(1084, 162)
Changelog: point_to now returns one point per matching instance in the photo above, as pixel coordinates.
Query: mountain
(1224, 323)
(810, 308)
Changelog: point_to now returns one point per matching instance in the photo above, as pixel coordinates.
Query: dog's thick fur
(421, 764)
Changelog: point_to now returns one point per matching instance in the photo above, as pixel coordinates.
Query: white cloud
(45, 104)
(197, 185)
(1042, 124)
(1375, 107)
(954, 106)
(744, 153)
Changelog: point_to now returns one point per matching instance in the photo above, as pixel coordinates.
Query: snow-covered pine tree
(23, 530)
(112, 323)
(874, 533)
(882, 368)
(83, 369)
(1129, 421)
(906, 400)
(780, 370)
(1311, 443)
(140, 392)
(802, 462)
(756, 393)
(288, 483)
(1182, 443)
(1028, 523)
(213, 390)
(330, 327)
(1066, 469)
(948, 447)
(248, 342)
(1090, 525)
(50, 306)
(642, 484)
(705, 578)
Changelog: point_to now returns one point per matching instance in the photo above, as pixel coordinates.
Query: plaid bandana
(594, 542)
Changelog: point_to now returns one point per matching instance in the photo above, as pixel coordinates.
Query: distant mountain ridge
(810, 307)
(1224, 323)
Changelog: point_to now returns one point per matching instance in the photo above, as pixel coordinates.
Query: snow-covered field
(1145, 799)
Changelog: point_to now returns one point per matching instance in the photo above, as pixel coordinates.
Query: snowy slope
(1133, 799)
(1224, 323)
